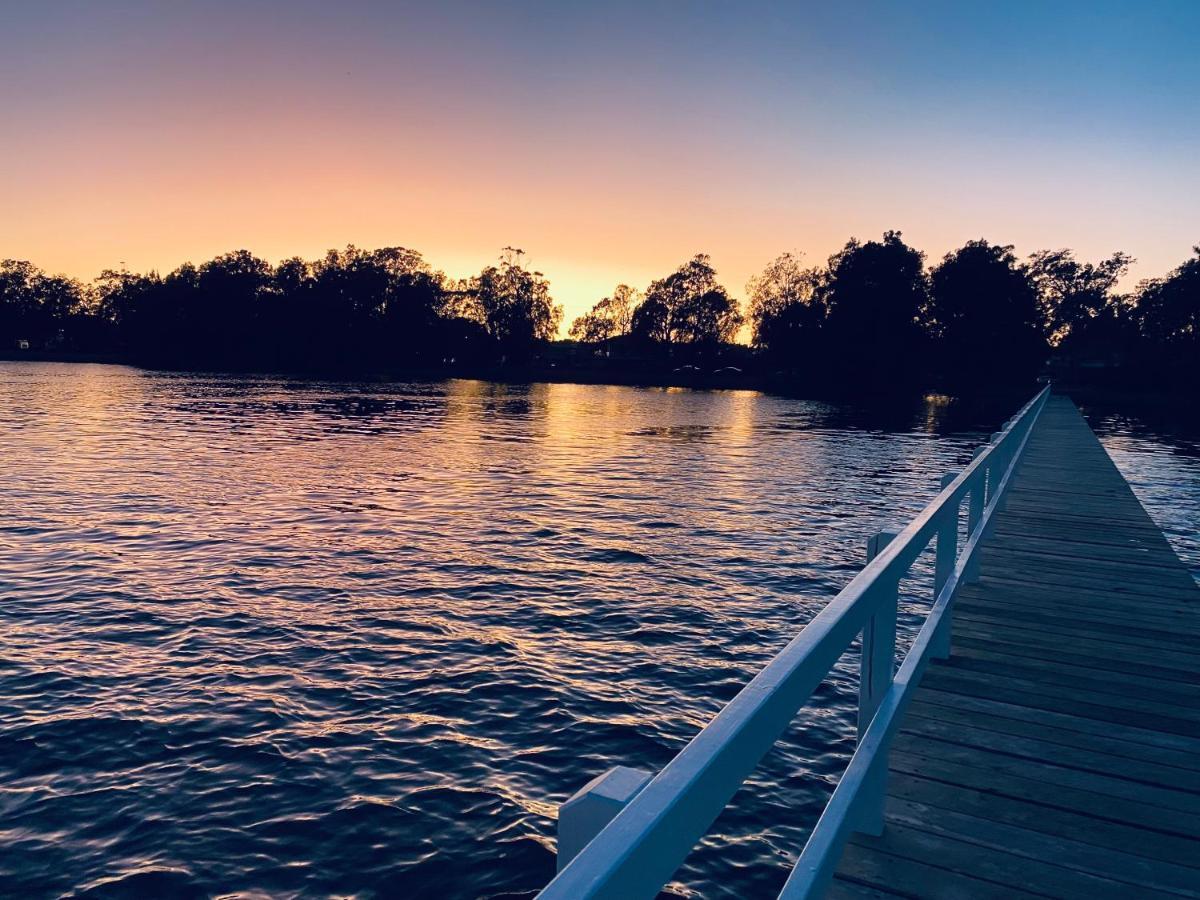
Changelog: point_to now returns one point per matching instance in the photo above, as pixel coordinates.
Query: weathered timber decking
(1057, 752)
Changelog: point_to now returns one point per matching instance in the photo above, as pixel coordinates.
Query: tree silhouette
(515, 304)
(610, 318)
(34, 306)
(787, 312)
(352, 308)
(377, 303)
(983, 315)
(687, 307)
(1071, 295)
(221, 314)
(1167, 311)
(122, 299)
(874, 293)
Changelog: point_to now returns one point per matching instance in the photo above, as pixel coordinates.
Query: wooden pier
(1056, 753)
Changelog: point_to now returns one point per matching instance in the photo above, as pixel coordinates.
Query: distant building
(22, 344)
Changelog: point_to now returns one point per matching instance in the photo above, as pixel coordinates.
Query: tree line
(352, 308)
(873, 316)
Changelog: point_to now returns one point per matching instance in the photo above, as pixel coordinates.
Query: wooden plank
(910, 876)
(1090, 566)
(1083, 581)
(1142, 534)
(1021, 784)
(1057, 752)
(1042, 819)
(1059, 541)
(964, 857)
(1024, 532)
(1043, 695)
(1050, 772)
(1086, 628)
(1180, 625)
(841, 889)
(1115, 863)
(1080, 581)
(1139, 552)
(1064, 721)
(1065, 754)
(1104, 738)
(984, 659)
(1080, 644)
(1019, 650)
(1136, 618)
(1086, 625)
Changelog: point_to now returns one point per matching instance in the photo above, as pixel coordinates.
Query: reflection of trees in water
(678, 432)
(319, 413)
(932, 414)
(1164, 422)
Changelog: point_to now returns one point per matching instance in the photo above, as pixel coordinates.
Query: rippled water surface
(272, 638)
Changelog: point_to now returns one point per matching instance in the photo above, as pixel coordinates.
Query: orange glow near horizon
(152, 137)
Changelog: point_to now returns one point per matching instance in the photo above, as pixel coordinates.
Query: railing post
(876, 671)
(1005, 456)
(947, 553)
(974, 516)
(993, 468)
(593, 806)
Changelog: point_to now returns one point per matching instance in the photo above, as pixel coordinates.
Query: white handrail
(638, 851)
(818, 861)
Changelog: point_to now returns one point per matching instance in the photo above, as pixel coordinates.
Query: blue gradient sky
(611, 142)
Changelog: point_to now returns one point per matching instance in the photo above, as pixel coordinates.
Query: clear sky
(611, 141)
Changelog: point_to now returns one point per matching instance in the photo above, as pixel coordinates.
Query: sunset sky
(610, 142)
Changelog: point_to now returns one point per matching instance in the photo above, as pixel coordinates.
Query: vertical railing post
(1005, 458)
(876, 671)
(974, 515)
(593, 806)
(947, 553)
(994, 471)
(975, 501)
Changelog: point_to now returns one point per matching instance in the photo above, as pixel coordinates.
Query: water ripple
(263, 637)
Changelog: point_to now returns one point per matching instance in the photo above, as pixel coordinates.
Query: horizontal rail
(819, 859)
(643, 845)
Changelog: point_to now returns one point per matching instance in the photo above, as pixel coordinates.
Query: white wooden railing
(624, 835)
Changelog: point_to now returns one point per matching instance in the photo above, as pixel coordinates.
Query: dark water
(1158, 452)
(265, 638)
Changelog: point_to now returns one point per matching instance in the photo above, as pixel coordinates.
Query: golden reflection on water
(936, 406)
(417, 615)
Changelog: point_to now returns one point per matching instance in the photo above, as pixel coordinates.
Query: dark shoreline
(554, 372)
(1124, 398)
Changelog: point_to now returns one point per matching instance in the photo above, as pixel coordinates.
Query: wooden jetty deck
(1056, 753)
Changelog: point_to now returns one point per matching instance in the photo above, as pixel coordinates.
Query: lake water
(263, 637)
